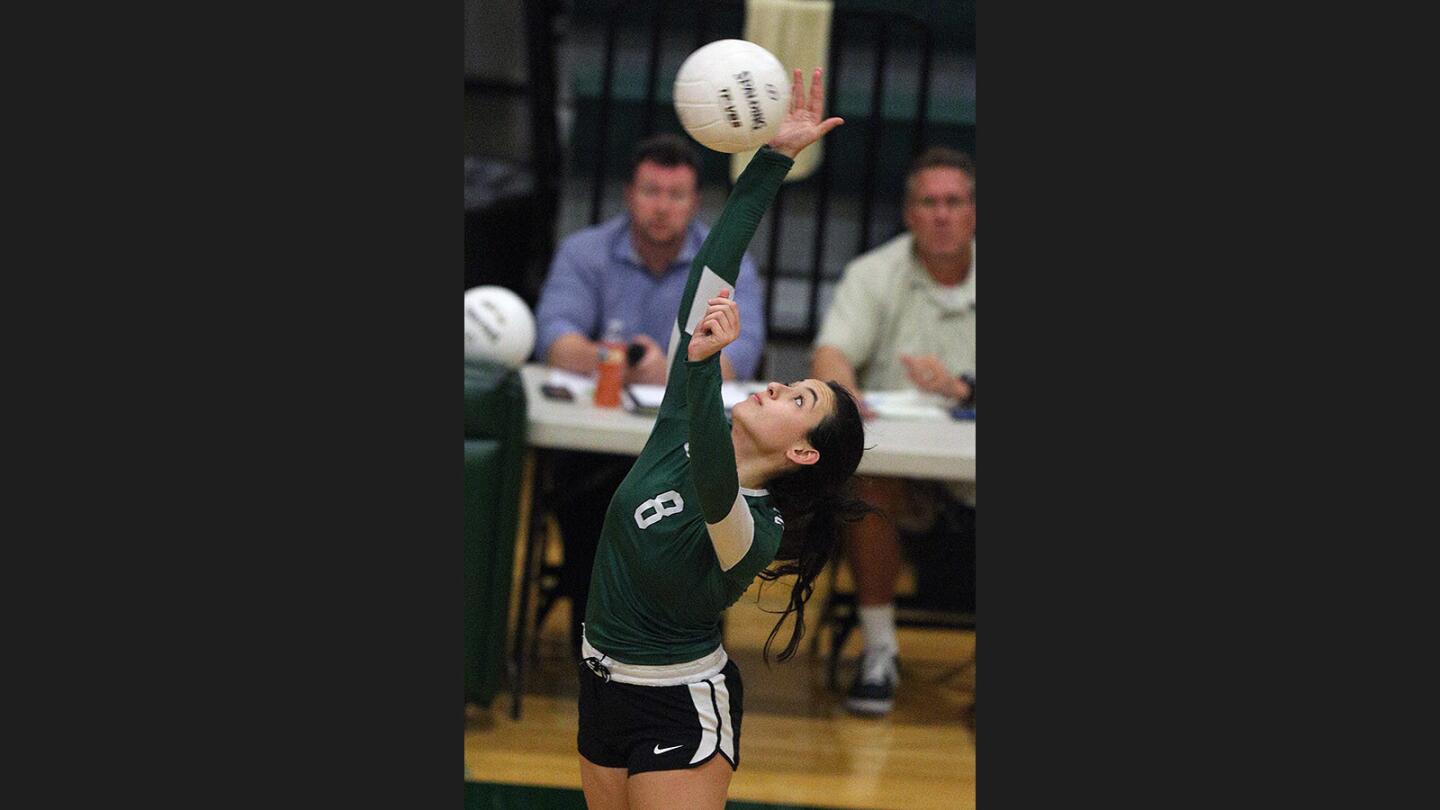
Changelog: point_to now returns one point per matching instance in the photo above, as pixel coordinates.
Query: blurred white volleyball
(731, 95)
(498, 326)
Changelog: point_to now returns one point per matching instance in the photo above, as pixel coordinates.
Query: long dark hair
(814, 502)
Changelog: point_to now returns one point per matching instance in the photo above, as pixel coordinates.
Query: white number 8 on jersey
(666, 503)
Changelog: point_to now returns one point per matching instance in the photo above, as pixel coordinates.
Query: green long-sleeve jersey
(660, 584)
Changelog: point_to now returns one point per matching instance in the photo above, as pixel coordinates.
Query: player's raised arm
(712, 454)
(717, 264)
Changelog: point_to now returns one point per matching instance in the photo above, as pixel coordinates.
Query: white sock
(878, 624)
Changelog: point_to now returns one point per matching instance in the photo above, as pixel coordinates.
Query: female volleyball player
(701, 513)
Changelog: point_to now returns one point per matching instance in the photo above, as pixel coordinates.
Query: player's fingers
(817, 93)
(732, 312)
(715, 324)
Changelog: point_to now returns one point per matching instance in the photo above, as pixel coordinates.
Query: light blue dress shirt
(596, 276)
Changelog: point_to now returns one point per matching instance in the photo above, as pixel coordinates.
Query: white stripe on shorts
(705, 708)
(727, 726)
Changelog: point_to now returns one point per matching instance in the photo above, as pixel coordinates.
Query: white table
(936, 449)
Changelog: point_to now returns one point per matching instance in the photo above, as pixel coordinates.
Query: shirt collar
(921, 279)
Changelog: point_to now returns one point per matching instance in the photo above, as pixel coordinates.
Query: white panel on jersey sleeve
(710, 286)
(670, 352)
(734, 534)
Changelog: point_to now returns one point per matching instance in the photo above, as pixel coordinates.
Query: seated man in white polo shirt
(903, 316)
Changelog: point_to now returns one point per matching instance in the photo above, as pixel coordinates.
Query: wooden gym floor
(800, 748)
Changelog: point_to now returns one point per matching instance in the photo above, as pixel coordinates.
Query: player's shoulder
(654, 487)
(764, 511)
(769, 530)
(663, 462)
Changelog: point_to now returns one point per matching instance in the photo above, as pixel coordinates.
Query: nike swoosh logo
(660, 750)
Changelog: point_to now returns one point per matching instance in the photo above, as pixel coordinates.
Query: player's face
(782, 416)
(661, 200)
(940, 211)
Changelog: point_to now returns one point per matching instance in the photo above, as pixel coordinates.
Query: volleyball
(499, 326)
(731, 95)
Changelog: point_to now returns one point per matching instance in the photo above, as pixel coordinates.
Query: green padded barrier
(483, 474)
(492, 396)
(494, 460)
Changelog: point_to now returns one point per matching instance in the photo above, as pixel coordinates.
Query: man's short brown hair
(666, 149)
(940, 156)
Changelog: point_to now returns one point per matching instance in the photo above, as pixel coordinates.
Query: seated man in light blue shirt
(629, 272)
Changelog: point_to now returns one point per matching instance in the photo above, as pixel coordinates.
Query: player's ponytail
(814, 502)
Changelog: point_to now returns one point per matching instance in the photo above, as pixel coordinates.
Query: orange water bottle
(612, 366)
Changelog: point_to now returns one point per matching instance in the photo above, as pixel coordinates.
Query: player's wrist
(694, 361)
(780, 154)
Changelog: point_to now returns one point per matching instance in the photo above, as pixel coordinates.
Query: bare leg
(702, 788)
(873, 549)
(604, 787)
(872, 546)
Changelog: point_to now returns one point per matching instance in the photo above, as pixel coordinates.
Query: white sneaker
(873, 692)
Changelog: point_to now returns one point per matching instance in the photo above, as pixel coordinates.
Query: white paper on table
(581, 385)
(646, 397)
(731, 393)
(909, 404)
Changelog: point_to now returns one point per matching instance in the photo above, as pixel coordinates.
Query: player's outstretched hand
(802, 124)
